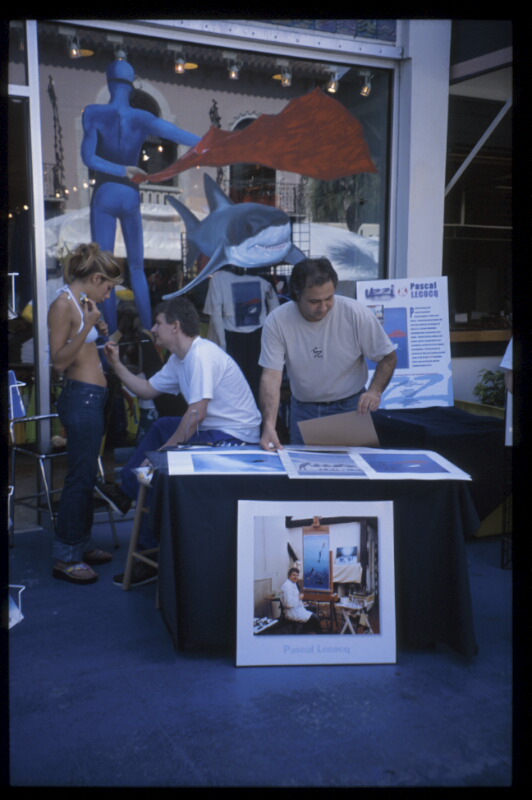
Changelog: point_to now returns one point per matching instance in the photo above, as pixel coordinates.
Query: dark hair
(181, 310)
(89, 259)
(293, 569)
(312, 272)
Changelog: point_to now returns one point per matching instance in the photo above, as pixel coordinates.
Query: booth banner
(414, 313)
(316, 583)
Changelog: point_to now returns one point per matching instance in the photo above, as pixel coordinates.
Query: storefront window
(477, 252)
(343, 218)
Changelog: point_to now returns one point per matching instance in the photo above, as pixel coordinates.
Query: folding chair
(41, 500)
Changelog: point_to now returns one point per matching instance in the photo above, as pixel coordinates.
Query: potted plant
(490, 389)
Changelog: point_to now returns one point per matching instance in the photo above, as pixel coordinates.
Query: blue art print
(316, 566)
(237, 463)
(325, 464)
(247, 302)
(404, 463)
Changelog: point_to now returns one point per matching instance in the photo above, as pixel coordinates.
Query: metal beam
(502, 113)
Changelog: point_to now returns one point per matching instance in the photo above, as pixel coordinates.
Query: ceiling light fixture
(233, 65)
(234, 71)
(286, 78)
(181, 65)
(73, 46)
(74, 50)
(366, 75)
(285, 73)
(333, 84)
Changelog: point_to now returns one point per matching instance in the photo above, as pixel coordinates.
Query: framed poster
(315, 583)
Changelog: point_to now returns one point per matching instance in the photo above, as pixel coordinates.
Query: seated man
(220, 403)
(295, 609)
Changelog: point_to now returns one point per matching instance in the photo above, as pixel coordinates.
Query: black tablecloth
(197, 518)
(474, 443)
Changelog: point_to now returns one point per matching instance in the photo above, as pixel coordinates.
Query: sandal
(97, 557)
(74, 573)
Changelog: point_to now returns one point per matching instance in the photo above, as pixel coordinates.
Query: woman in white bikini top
(74, 324)
(90, 277)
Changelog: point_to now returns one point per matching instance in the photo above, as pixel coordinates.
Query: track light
(285, 73)
(366, 87)
(74, 50)
(181, 65)
(286, 78)
(233, 65)
(333, 84)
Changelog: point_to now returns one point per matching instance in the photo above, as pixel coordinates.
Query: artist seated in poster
(295, 609)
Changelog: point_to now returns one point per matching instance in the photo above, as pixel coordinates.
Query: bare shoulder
(60, 309)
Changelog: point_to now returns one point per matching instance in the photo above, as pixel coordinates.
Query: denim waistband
(69, 383)
(329, 402)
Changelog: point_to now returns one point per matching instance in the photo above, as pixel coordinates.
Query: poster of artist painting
(315, 583)
(414, 314)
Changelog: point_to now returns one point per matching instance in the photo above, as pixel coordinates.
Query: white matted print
(316, 583)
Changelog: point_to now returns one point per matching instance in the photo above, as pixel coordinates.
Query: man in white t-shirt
(294, 607)
(221, 408)
(323, 340)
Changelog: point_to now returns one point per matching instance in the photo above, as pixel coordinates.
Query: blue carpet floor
(98, 697)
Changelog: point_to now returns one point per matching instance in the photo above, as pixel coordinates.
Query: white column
(421, 151)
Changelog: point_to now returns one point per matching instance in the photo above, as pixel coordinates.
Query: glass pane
(18, 66)
(343, 218)
(20, 217)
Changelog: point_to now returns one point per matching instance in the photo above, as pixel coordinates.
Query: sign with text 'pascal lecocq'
(414, 313)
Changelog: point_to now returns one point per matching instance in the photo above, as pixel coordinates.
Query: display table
(474, 443)
(197, 520)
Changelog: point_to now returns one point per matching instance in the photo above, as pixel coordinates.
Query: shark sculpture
(248, 235)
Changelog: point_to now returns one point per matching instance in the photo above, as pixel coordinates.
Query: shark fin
(191, 223)
(190, 220)
(216, 198)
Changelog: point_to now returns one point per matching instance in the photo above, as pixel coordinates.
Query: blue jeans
(158, 434)
(300, 411)
(81, 410)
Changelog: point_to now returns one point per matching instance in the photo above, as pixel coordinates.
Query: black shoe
(113, 494)
(141, 574)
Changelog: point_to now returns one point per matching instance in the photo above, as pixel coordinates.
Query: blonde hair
(90, 259)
